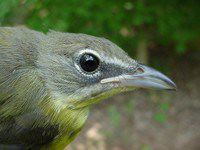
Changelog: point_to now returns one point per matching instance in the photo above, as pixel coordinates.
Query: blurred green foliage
(129, 107)
(146, 147)
(173, 23)
(161, 115)
(114, 115)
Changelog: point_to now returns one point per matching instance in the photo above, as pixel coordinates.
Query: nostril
(140, 70)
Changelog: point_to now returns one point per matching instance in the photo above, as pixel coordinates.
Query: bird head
(80, 69)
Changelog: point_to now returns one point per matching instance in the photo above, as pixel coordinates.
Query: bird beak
(144, 77)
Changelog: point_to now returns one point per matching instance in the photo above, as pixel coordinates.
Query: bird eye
(89, 62)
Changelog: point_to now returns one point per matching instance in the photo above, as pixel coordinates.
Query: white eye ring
(82, 52)
(89, 51)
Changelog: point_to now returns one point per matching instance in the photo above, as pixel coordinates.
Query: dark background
(164, 34)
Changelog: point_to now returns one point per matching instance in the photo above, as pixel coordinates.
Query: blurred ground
(144, 120)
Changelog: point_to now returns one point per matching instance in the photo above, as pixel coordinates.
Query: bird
(49, 81)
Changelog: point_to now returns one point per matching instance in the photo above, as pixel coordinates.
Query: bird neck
(70, 121)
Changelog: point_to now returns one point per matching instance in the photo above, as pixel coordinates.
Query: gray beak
(147, 77)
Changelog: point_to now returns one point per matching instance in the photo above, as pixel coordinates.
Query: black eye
(89, 62)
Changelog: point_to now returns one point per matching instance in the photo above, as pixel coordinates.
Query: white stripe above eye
(118, 62)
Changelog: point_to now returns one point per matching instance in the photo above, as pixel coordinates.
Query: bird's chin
(99, 96)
